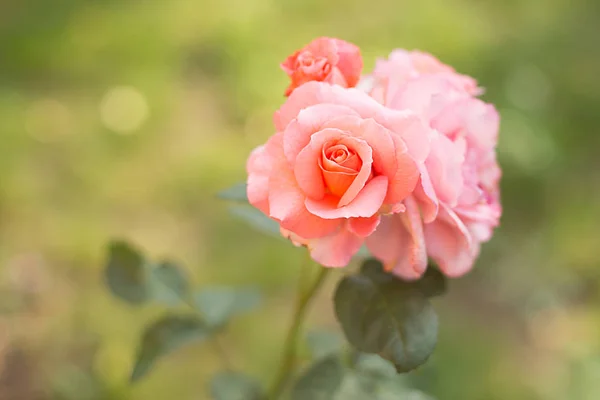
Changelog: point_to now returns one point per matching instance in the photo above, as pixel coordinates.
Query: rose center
(339, 165)
(315, 67)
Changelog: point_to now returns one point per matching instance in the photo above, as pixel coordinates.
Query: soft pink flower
(324, 60)
(456, 204)
(402, 66)
(338, 161)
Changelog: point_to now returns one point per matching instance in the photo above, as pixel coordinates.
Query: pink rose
(402, 66)
(456, 204)
(338, 162)
(324, 60)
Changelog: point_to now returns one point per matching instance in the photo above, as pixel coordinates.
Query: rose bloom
(324, 60)
(338, 163)
(456, 204)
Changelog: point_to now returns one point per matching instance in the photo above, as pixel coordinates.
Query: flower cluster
(402, 160)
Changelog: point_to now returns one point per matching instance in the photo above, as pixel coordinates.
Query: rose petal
(412, 130)
(338, 182)
(298, 132)
(335, 250)
(425, 195)
(416, 263)
(312, 93)
(364, 151)
(445, 166)
(286, 200)
(471, 118)
(450, 244)
(406, 175)
(350, 62)
(365, 204)
(399, 243)
(336, 77)
(309, 174)
(259, 168)
(363, 227)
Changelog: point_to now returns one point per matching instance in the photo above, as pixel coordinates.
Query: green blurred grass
(201, 82)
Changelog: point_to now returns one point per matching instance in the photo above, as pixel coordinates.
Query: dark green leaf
(236, 192)
(384, 316)
(433, 282)
(169, 284)
(321, 381)
(324, 343)
(164, 336)
(219, 304)
(235, 386)
(126, 273)
(256, 220)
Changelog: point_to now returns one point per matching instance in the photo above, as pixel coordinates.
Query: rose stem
(289, 357)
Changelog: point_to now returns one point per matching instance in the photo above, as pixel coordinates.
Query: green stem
(289, 359)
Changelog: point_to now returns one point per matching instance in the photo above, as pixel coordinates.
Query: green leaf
(169, 284)
(432, 283)
(324, 343)
(164, 336)
(235, 386)
(236, 192)
(382, 315)
(321, 381)
(126, 273)
(257, 220)
(219, 304)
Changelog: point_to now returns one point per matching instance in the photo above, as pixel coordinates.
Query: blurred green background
(123, 118)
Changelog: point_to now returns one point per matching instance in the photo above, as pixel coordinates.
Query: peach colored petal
(353, 162)
(308, 225)
(324, 46)
(285, 197)
(364, 227)
(388, 242)
(378, 137)
(350, 165)
(312, 93)
(338, 182)
(399, 243)
(308, 172)
(286, 200)
(415, 264)
(258, 168)
(390, 156)
(450, 244)
(335, 250)
(297, 132)
(412, 130)
(366, 203)
(336, 77)
(350, 62)
(406, 175)
(364, 151)
(425, 195)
